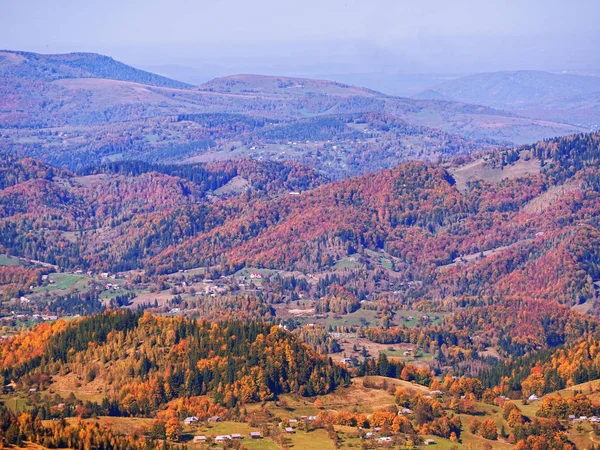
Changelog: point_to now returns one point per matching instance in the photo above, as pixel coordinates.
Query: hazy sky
(315, 36)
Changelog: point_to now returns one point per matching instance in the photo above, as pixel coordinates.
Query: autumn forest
(274, 263)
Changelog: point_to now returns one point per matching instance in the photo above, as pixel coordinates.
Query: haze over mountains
(564, 97)
(78, 110)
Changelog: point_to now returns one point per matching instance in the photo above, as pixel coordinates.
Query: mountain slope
(520, 89)
(124, 210)
(35, 66)
(482, 239)
(415, 207)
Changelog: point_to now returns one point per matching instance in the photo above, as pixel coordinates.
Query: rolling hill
(79, 110)
(563, 97)
(490, 224)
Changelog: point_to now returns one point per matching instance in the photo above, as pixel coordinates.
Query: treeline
(319, 339)
(196, 173)
(546, 371)
(568, 155)
(81, 65)
(314, 128)
(394, 368)
(80, 435)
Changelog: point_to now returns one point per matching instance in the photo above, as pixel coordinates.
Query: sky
(314, 37)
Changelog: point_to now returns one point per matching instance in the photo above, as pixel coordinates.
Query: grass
(260, 444)
(66, 384)
(215, 429)
(358, 398)
(17, 404)
(362, 317)
(6, 260)
(111, 293)
(471, 441)
(122, 425)
(410, 318)
(444, 444)
(348, 263)
(585, 388)
(30, 446)
(528, 410)
(416, 357)
(480, 170)
(314, 440)
(220, 428)
(62, 281)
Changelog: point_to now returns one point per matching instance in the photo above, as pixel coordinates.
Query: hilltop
(248, 84)
(36, 66)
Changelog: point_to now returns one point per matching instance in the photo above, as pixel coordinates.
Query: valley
(406, 280)
(266, 262)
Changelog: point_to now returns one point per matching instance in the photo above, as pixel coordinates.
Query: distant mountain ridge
(565, 97)
(108, 111)
(517, 89)
(50, 67)
(245, 83)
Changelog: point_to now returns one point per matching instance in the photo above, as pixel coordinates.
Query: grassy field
(528, 410)
(362, 317)
(314, 440)
(64, 281)
(122, 425)
(347, 263)
(481, 170)
(16, 404)
(64, 385)
(416, 357)
(411, 318)
(6, 260)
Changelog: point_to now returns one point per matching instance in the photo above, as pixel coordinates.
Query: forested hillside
(35, 66)
(261, 293)
(231, 362)
(483, 240)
